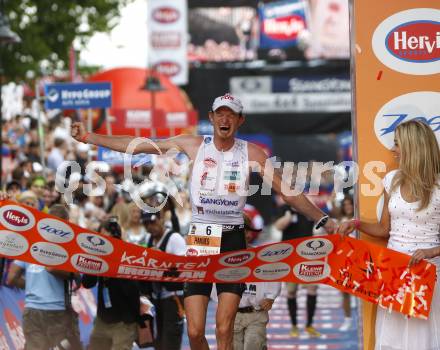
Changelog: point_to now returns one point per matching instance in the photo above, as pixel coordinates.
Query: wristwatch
(321, 222)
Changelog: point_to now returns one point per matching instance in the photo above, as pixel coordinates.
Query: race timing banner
(373, 273)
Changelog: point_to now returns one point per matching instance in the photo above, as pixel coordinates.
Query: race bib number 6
(203, 239)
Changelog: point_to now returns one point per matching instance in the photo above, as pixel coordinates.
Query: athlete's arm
(181, 143)
(15, 276)
(300, 202)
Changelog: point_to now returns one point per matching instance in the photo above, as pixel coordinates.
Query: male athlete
(219, 180)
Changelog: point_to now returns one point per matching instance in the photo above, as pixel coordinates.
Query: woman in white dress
(411, 221)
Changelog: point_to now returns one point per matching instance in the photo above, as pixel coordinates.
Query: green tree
(47, 29)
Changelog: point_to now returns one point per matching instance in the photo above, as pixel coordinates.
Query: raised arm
(181, 143)
(300, 202)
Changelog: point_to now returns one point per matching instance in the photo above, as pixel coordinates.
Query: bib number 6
(208, 230)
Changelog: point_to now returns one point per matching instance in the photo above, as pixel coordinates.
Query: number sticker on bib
(204, 239)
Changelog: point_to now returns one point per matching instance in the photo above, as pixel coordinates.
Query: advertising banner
(78, 95)
(167, 24)
(282, 23)
(376, 274)
(396, 55)
(296, 94)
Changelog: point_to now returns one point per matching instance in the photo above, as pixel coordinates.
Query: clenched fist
(78, 132)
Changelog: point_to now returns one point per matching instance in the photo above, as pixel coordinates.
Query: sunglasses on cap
(147, 217)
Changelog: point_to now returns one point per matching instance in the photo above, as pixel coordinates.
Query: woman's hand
(4, 196)
(347, 227)
(421, 254)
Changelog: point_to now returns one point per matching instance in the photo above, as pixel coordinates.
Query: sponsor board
(94, 244)
(49, 253)
(89, 263)
(55, 231)
(315, 248)
(311, 271)
(237, 258)
(421, 105)
(270, 272)
(276, 252)
(12, 243)
(409, 41)
(232, 274)
(16, 218)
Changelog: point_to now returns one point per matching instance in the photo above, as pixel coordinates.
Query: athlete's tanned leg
(225, 317)
(195, 311)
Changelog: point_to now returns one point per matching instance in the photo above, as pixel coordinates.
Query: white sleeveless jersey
(219, 183)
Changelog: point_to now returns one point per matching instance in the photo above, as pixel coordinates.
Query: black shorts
(232, 239)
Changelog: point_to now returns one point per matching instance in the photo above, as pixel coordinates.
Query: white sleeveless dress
(411, 230)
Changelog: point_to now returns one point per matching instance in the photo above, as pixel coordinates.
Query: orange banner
(373, 273)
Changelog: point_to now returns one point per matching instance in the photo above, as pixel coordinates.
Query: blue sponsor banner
(78, 95)
(117, 158)
(281, 23)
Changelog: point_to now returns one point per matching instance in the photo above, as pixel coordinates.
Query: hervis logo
(16, 218)
(283, 28)
(409, 41)
(166, 15)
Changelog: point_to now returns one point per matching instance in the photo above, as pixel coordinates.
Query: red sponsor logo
(227, 97)
(232, 187)
(238, 259)
(284, 28)
(166, 15)
(15, 217)
(168, 68)
(89, 264)
(210, 163)
(311, 270)
(192, 252)
(416, 41)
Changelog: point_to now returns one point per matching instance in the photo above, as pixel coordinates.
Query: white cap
(227, 100)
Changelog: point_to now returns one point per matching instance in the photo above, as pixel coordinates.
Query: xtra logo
(312, 249)
(16, 218)
(88, 263)
(237, 258)
(409, 41)
(275, 252)
(94, 244)
(422, 105)
(56, 231)
(283, 28)
(311, 271)
(166, 15)
(168, 68)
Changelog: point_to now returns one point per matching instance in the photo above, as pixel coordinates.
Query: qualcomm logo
(52, 95)
(422, 105)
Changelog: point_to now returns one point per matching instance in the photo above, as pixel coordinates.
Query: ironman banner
(396, 73)
(373, 273)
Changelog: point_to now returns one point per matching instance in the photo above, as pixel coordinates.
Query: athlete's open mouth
(225, 128)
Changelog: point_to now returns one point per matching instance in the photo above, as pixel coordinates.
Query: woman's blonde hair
(419, 160)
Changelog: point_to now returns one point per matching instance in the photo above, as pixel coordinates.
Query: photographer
(167, 296)
(115, 326)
